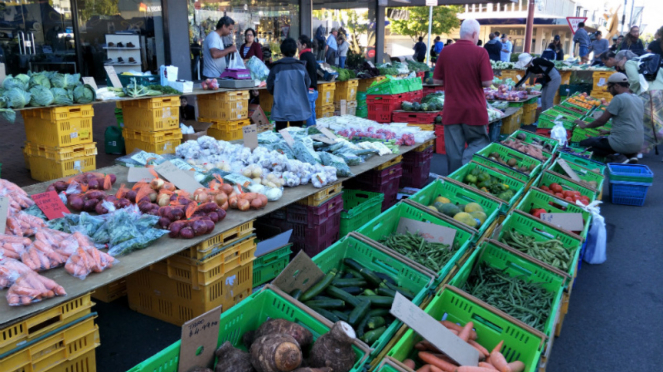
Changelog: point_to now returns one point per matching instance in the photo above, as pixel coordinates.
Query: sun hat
(523, 60)
(618, 77)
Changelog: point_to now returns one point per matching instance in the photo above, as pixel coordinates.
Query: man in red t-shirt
(464, 70)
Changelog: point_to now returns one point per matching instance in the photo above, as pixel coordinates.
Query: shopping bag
(595, 251)
(236, 62)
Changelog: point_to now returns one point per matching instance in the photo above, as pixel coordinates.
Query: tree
(416, 24)
(354, 23)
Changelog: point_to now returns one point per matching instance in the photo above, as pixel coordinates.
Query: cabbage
(58, 80)
(17, 98)
(41, 96)
(84, 93)
(25, 79)
(40, 79)
(12, 82)
(8, 114)
(62, 96)
(72, 80)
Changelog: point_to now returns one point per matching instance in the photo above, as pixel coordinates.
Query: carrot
(498, 360)
(487, 365)
(517, 366)
(425, 346)
(425, 368)
(452, 325)
(437, 362)
(465, 333)
(473, 369)
(435, 369)
(409, 363)
(482, 350)
(498, 347)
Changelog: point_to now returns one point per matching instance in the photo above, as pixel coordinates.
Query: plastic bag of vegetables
(342, 169)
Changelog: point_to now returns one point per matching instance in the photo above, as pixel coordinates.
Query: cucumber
(378, 312)
(366, 273)
(400, 290)
(359, 312)
(384, 291)
(348, 276)
(354, 282)
(355, 274)
(318, 287)
(379, 301)
(361, 328)
(296, 294)
(326, 313)
(355, 291)
(321, 298)
(341, 315)
(369, 292)
(385, 277)
(325, 304)
(342, 295)
(372, 336)
(375, 322)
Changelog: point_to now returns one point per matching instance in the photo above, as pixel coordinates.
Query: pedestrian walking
(420, 50)
(582, 39)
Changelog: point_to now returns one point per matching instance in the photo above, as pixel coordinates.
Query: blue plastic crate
(630, 173)
(629, 193)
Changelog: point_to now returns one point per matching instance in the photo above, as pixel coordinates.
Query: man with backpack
(321, 43)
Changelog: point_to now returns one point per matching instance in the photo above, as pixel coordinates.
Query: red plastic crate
(416, 174)
(417, 96)
(422, 75)
(376, 180)
(439, 141)
(413, 157)
(429, 90)
(317, 239)
(417, 117)
(311, 216)
(390, 99)
(380, 117)
(390, 200)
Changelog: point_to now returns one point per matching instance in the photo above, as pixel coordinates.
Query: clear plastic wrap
(304, 151)
(23, 224)
(10, 270)
(342, 169)
(13, 246)
(86, 258)
(31, 287)
(259, 70)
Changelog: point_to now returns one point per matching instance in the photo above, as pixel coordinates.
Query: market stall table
(162, 248)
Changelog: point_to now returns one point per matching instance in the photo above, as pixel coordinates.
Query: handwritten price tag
(199, 338)
(50, 203)
(250, 136)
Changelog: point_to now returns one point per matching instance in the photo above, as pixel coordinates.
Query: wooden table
(162, 248)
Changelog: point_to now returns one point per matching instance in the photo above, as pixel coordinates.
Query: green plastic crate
(359, 207)
(386, 224)
(458, 194)
(513, 265)
(376, 260)
(583, 173)
(514, 184)
(246, 316)
(388, 365)
(548, 177)
(414, 84)
(529, 138)
(388, 86)
(571, 113)
(587, 163)
(482, 157)
(456, 306)
(580, 134)
(269, 265)
(530, 226)
(536, 198)
(516, 104)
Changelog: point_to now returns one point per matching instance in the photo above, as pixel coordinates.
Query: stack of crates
(217, 271)
(315, 221)
(346, 90)
(364, 84)
(512, 123)
(152, 124)
(62, 338)
(600, 86)
(324, 105)
(529, 112)
(382, 106)
(269, 265)
(416, 166)
(384, 179)
(350, 108)
(362, 107)
(59, 141)
(227, 111)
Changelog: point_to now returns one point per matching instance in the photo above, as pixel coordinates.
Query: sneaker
(130, 45)
(633, 160)
(110, 45)
(120, 60)
(617, 158)
(120, 45)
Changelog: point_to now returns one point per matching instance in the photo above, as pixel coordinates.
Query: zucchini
(296, 294)
(359, 312)
(354, 282)
(341, 315)
(369, 292)
(400, 290)
(384, 291)
(325, 304)
(385, 277)
(379, 312)
(326, 313)
(366, 273)
(355, 291)
(372, 336)
(342, 295)
(318, 287)
(354, 273)
(375, 322)
(379, 301)
(361, 328)
(321, 298)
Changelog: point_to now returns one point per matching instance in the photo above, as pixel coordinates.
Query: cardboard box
(182, 85)
(257, 115)
(200, 128)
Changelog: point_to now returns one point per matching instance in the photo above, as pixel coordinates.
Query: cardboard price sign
(180, 178)
(301, 273)
(90, 81)
(4, 210)
(566, 221)
(431, 232)
(287, 137)
(250, 136)
(565, 166)
(50, 203)
(137, 174)
(199, 339)
(112, 75)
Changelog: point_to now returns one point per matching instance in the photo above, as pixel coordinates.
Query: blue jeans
(583, 51)
(341, 62)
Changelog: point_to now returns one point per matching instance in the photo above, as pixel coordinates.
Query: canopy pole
(530, 26)
(430, 29)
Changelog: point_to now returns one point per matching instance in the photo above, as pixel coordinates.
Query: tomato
(545, 188)
(556, 187)
(584, 200)
(570, 199)
(577, 194)
(536, 212)
(559, 195)
(567, 193)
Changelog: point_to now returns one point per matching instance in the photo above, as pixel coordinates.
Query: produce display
(471, 214)
(432, 360)
(417, 66)
(500, 65)
(510, 162)
(527, 302)
(485, 182)
(135, 90)
(344, 74)
(584, 101)
(568, 195)
(503, 93)
(355, 295)
(551, 251)
(415, 247)
(531, 149)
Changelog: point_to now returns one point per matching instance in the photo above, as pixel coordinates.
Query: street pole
(530, 26)
(624, 16)
(630, 22)
(430, 29)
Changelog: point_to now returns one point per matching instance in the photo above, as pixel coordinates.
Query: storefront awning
(442, 2)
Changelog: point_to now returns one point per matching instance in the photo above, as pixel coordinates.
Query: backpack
(432, 51)
(648, 66)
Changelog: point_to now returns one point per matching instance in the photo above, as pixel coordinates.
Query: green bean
(413, 246)
(551, 252)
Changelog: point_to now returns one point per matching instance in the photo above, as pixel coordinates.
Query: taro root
(199, 369)
(334, 349)
(303, 336)
(276, 353)
(232, 359)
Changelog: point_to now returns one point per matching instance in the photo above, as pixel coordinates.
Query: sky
(652, 15)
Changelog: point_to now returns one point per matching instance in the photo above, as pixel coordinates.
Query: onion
(200, 195)
(131, 195)
(226, 188)
(168, 186)
(113, 178)
(199, 227)
(210, 225)
(157, 183)
(164, 222)
(232, 202)
(256, 203)
(153, 196)
(187, 233)
(221, 213)
(163, 200)
(93, 184)
(90, 205)
(225, 206)
(214, 217)
(51, 188)
(243, 205)
(221, 198)
(76, 202)
(177, 214)
(60, 186)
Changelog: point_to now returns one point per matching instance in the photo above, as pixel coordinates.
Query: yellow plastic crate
(566, 77)
(601, 80)
(58, 113)
(231, 96)
(43, 169)
(322, 196)
(61, 153)
(200, 273)
(323, 110)
(46, 321)
(68, 132)
(391, 162)
(226, 238)
(151, 120)
(346, 90)
(176, 302)
(325, 95)
(364, 84)
(152, 103)
(512, 123)
(26, 155)
(84, 363)
(111, 291)
(165, 147)
(224, 106)
(348, 105)
(151, 137)
(424, 145)
(64, 345)
(226, 126)
(232, 135)
(429, 127)
(529, 117)
(530, 107)
(266, 100)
